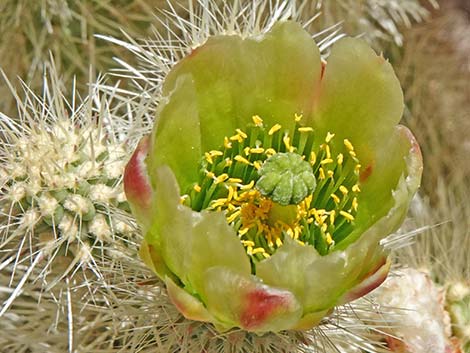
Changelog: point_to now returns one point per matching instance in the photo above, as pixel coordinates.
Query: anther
(275, 128)
(257, 120)
(329, 137)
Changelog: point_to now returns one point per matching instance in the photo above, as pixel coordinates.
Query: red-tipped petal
(262, 303)
(137, 184)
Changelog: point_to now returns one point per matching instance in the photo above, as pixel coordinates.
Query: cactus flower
(270, 179)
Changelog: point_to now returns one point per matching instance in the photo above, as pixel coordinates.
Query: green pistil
(286, 179)
(272, 169)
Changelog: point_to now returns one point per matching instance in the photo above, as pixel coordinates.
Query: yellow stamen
(329, 239)
(270, 151)
(210, 175)
(344, 190)
(231, 192)
(347, 215)
(335, 198)
(243, 231)
(257, 165)
(257, 120)
(328, 152)
(248, 186)
(340, 158)
(246, 150)
(241, 159)
(257, 150)
(297, 118)
(258, 251)
(235, 180)
(241, 133)
(286, 140)
(228, 162)
(313, 158)
(236, 137)
(233, 217)
(217, 203)
(275, 128)
(329, 137)
(305, 129)
(221, 178)
(266, 255)
(326, 161)
(348, 145)
(352, 153)
(248, 243)
(330, 173)
(317, 216)
(227, 143)
(215, 153)
(197, 188)
(356, 188)
(322, 173)
(354, 204)
(208, 158)
(278, 242)
(332, 217)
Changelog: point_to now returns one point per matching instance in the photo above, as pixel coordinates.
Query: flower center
(277, 182)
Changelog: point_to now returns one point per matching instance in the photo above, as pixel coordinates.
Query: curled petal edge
(189, 306)
(370, 282)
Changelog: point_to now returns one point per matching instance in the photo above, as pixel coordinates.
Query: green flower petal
(360, 97)
(176, 137)
(240, 300)
(191, 242)
(274, 76)
(317, 281)
(401, 159)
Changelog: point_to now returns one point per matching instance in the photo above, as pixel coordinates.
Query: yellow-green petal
(317, 281)
(274, 76)
(191, 242)
(176, 136)
(401, 159)
(360, 96)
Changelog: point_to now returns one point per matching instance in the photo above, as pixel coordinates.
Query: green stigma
(286, 178)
